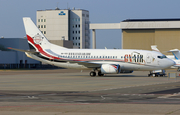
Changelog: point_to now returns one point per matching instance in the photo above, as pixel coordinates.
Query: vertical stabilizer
(176, 53)
(36, 39)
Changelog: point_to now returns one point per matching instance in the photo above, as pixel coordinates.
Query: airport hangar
(142, 33)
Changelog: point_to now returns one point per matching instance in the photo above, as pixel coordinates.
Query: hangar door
(138, 39)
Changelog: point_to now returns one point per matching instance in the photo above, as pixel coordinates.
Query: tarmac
(74, 92)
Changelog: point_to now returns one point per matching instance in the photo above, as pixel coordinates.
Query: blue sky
(101, 11)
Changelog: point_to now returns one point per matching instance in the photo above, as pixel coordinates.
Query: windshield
(161, 57)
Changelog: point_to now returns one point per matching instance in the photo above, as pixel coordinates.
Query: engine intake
(110, 68)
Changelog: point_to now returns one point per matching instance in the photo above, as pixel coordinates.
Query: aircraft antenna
(57, 8)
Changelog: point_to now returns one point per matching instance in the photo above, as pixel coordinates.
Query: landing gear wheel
(100, 74)
(92, 73)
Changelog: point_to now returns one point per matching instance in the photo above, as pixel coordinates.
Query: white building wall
(75, 28)
(71, 24)
(56, 23)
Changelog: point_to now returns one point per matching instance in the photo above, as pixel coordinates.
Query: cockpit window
(161, 57)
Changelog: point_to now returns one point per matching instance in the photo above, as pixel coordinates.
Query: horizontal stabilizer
(34, 52)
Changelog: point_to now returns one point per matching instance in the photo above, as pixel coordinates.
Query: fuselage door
(148, 58)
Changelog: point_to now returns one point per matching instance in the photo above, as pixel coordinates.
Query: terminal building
(65, 27)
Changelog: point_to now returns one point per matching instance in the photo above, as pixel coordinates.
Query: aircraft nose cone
(171, 62)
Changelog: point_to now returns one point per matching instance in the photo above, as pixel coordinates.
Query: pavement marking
(136, 86)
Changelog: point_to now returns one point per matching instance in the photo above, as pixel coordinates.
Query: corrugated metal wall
(165, 39)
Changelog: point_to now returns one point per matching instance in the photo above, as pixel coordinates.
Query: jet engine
(110, 68)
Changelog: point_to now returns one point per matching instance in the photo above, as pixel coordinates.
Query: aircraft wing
(87, 64)
(154, 48)
(174, 50)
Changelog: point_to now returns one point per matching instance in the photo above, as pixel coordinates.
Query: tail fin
(37, 41)
(176, 53)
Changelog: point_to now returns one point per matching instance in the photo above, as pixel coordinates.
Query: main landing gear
(93, 73)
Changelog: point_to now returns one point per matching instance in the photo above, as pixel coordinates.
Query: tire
(92, 74)
(100, 74)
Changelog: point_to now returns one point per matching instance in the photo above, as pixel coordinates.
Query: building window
(44, 26)
(44, 20)
(87, 15)
(38, 26)
(41, 20)
(79, 32)
(76, 38)
(83, 15)
(73, 26)
(73, 32)
(79, 38)
(76, 25)
(44, 32)
(79, 19)
(76, 32)
(79, 44)
(73, 38)
(76, 44)
(38, 20)
(79, 25)
(41, 26)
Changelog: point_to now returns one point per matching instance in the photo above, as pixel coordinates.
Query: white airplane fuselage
(127, 59)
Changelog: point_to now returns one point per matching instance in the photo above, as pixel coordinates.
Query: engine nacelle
(110, 68)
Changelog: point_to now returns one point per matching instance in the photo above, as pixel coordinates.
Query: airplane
(175, 57)
(103, 61)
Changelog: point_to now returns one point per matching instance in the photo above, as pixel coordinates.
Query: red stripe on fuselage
(40, 49)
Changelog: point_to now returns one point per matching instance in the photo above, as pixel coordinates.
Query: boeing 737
(103, 61)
